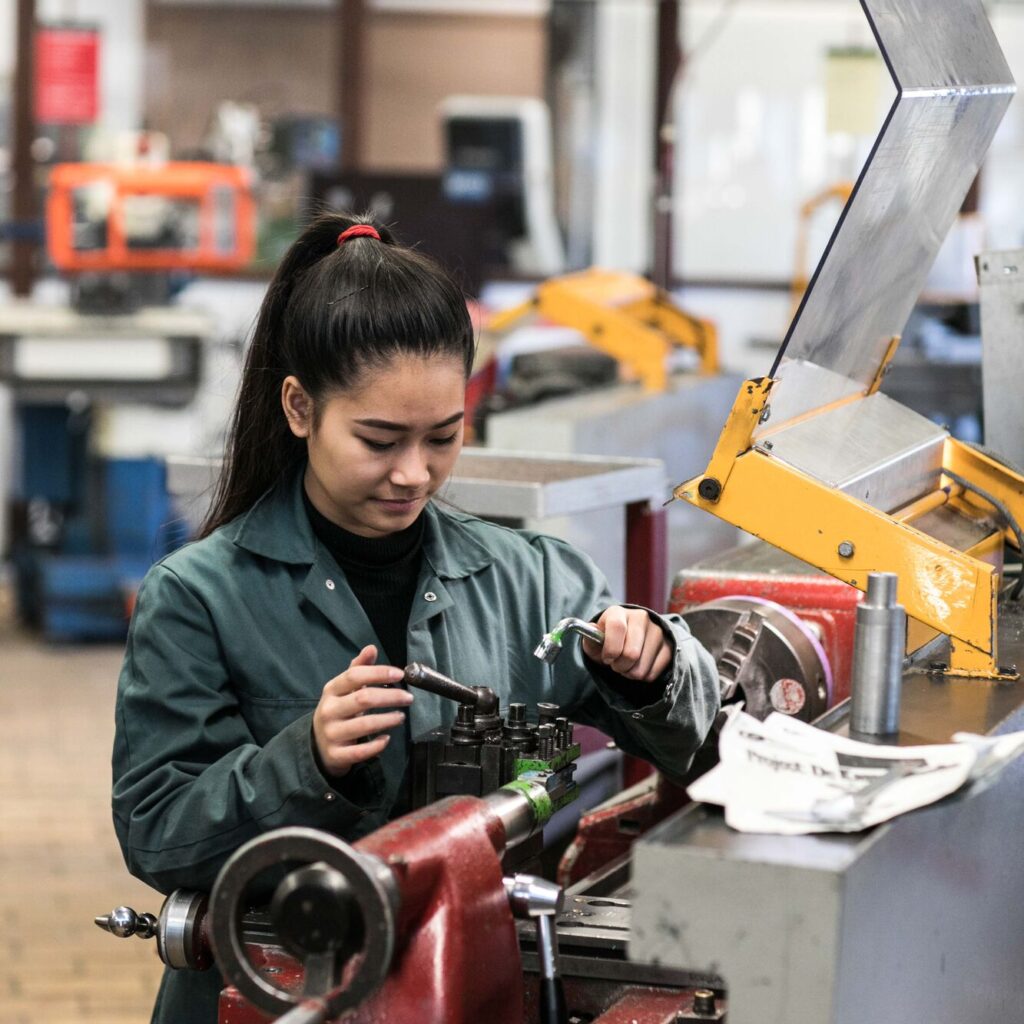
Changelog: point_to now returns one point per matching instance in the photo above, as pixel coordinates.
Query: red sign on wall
(66, 75)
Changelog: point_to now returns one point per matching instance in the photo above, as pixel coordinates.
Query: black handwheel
(360, 887)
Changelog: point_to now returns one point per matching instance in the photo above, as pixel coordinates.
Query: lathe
(663, 914)
(355, 932)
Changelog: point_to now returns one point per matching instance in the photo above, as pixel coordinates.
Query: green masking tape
(537, 795)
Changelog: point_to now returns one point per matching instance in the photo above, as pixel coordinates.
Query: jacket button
(329, 584)
(638, 714)
(430, 596)
(330, 797)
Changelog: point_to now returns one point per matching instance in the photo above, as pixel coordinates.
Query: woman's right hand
(340, 720)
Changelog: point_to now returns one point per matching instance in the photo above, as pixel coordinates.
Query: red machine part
(649, 1006)
(607, 832)
(828, 603)
(272, 961)
(457, 956)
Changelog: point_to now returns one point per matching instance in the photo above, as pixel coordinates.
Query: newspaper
(785, 777)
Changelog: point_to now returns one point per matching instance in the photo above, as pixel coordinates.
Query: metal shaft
(547, 946)
(523, 808)
(583, 628)
(878, 647)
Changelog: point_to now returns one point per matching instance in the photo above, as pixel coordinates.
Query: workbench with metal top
(920, 919)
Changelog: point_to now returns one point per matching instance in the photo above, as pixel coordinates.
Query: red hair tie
(359, 231)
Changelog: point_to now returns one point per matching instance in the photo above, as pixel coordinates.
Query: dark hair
(331, 313)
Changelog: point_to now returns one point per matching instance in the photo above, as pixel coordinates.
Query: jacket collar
(277, 527)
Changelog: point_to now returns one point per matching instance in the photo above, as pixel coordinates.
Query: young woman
(256, 653)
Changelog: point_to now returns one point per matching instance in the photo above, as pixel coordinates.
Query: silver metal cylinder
(179, 936)
(518, 813)
(878, 646)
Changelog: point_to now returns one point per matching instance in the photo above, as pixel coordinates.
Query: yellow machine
(944, 589)
(623, 315)
(815, 458)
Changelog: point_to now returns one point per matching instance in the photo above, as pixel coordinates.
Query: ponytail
(331, 311)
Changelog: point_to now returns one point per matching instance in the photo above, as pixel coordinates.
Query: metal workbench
(916, 921)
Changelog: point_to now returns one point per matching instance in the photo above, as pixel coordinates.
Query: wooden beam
(23, 204)
(351, 75)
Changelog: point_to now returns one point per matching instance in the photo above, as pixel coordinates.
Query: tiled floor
(59, 862)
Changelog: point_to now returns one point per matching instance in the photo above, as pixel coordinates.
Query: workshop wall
(196, 57)
(414, 62)
(285, 61)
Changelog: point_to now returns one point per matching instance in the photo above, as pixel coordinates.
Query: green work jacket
(235, 635)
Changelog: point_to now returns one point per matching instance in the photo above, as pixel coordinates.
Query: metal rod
(878, 647)
(926, 504)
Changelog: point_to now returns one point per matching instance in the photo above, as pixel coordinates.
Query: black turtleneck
(382, 572)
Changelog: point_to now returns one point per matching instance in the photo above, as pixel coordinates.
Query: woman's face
(379, 450)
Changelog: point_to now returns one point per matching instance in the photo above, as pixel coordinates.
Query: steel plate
(1001, 277)
(953, 87)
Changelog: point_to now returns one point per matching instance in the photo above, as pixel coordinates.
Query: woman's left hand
(635, 646)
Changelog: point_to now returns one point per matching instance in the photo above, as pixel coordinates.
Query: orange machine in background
(142, 217)
(100, 381)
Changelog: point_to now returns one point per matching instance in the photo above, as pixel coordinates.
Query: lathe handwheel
(370, 884)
